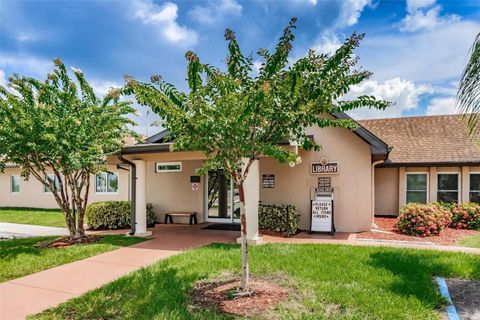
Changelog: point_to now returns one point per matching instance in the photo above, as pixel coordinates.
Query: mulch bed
(278, 233)
(465, 296)
(221, 295)
(66, 242)
(448, 237)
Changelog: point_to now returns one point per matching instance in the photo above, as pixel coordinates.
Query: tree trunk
(70, 225)
(80, 222)
(244, 286)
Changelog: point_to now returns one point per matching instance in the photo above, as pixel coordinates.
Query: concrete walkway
(37, 292)
(351, 239)
(16, 230)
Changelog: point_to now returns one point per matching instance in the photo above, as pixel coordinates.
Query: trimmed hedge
(423, 219)
(109, 215)
(281, 219)
(466, 216)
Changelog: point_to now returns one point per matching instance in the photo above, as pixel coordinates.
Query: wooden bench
(169, 216)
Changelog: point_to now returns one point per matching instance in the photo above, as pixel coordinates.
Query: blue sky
(416, 49)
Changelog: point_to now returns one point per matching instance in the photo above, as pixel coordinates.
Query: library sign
(324, 167)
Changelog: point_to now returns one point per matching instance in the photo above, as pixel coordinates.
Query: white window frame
(459, 185)
(427, 187)
(177, 163)
(50, 175)
(469, 184)
(11, 184)
(106, 182)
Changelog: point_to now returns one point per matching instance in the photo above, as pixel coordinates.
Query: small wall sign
(268, 181)
(195, 179)
(324, 168)
(324, 182)
(195, 186)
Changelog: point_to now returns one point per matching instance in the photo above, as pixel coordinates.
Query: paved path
(16, 230)
(37, 292)
(351, 239)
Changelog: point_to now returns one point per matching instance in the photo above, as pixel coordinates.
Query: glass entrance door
(221, 199)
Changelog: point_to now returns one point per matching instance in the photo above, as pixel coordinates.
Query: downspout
(133, 177)
(374, 226)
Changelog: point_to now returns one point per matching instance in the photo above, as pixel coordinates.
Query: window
(475, 187)
(15, 184)
(53, 177)
(417, 187)
(447, 187)
(168, 167)
(106, 182)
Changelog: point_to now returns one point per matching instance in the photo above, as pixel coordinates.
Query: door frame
(232, 218)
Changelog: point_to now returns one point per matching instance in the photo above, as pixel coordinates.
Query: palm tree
(468, 96)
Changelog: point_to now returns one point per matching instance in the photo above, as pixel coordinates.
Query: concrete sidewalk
(351, 239)
(37, 292)
(16, 230)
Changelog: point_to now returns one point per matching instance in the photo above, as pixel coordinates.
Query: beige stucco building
(374, 169)
(432, 159)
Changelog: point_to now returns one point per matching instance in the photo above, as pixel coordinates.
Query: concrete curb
(451, 310)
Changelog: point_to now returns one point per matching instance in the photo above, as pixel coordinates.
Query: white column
(141, 200)
(432, 185)
(252, 197)
(465, 185)
(402, 195)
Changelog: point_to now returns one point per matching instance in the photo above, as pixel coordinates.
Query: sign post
(321, 218)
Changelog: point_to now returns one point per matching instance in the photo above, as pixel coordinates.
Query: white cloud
(429, 56)
(350, 11)
(413, 5)
(440, 106)
(102, 87)
(164, 18)
(256, 66)
(423, 16)
(405, 94)
(3, 79)
(24, 36)
(26, 64)
(328, 44)
(447, 89)
(215, 11)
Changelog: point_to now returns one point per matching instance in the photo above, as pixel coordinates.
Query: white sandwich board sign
(322, 214)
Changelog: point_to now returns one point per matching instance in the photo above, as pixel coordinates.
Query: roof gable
(378, 148)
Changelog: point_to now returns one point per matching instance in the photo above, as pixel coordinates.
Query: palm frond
(468, 96)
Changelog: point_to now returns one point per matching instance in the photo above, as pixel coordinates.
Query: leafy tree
(61, 126)
(468, 96)
(237, 115)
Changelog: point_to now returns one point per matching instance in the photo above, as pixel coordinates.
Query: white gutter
(374, 226)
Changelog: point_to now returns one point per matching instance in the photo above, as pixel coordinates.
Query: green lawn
(335, 282)
(470, 241)
(40, 217)
(19, 258)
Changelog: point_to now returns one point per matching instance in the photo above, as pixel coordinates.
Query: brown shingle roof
(428, 139)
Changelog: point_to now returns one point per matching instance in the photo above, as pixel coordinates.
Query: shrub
(444, 205)
(281, 219)
(422, 219)
(113, 215)
(466, 216)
